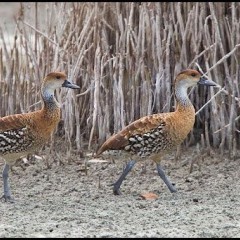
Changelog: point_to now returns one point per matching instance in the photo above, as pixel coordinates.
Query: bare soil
(65, 200)
(75, 199)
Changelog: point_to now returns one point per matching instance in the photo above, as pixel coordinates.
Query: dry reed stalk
(96, 94)
(125, 57)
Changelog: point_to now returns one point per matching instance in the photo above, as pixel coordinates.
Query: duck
(24, 133)
(154, 136)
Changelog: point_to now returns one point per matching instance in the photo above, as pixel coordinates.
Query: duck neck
(50, 102)
(183, 101)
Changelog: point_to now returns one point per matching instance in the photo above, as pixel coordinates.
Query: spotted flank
(14, 141)
(148, 143)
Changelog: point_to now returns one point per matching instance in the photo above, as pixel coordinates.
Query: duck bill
(68, 84)
(204, 81)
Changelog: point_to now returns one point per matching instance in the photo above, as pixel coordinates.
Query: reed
(125, 57)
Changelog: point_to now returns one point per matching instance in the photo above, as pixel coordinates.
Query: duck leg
(118, 183)
(165, 179)
(6, 188)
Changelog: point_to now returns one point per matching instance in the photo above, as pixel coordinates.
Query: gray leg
(165, 179)
(118, 183)
(6, 188)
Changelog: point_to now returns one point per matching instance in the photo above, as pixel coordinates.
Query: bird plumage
(155, 135)
(21, 134)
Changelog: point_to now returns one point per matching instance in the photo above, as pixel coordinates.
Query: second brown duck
(155, 135)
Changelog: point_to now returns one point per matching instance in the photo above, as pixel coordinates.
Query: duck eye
(58, 77)
(193, 74)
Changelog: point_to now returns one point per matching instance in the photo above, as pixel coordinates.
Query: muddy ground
(76, 200)
(62, 199)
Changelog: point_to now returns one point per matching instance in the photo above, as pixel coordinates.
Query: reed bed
(125, 57)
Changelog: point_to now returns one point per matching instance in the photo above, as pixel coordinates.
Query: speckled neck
(49, 99)
(182, 98)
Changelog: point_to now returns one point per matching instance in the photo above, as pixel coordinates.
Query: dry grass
(125, 57)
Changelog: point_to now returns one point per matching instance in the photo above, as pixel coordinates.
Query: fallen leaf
(149, 196)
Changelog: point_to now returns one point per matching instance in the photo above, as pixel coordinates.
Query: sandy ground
(65, 200)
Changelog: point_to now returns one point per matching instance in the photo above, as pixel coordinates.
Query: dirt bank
(64, 201)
